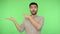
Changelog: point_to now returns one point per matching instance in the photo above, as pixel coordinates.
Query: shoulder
(42, 17)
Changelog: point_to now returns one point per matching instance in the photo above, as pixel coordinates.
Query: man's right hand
(14, 21)
(11, 18)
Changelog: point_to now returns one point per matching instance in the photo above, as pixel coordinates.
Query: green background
(50, 9)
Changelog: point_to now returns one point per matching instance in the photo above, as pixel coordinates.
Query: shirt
(30, 28)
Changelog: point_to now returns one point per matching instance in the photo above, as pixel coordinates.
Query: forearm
(14, 21)
(17, 26)
(34, 22)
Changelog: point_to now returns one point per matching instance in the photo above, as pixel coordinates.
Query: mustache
(35, 12)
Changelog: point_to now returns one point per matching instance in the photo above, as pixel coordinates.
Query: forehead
(33, 6)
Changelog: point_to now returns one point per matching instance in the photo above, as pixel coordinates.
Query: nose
(33, 8)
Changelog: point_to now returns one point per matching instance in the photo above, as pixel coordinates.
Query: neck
(33, 15)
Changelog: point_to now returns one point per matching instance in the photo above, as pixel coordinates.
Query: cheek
(35, 9)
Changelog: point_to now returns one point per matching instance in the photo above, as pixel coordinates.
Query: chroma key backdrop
(50, 9)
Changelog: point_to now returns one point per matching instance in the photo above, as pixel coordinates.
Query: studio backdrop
(49, 9)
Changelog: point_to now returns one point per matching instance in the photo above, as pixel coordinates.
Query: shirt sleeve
(41, 21)
(22, 27)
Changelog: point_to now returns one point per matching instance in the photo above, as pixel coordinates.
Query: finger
(11, 17)
(24, 14)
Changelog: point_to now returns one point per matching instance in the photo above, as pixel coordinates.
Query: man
(32, 23)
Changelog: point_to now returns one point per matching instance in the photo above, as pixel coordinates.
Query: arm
(20, 28)
(36, 24)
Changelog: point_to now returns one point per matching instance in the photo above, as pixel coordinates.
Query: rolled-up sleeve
(41, 21)
(22, 27)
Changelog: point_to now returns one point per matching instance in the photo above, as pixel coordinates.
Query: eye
(35, 7)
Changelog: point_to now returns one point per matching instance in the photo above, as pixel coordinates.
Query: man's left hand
(27, 16)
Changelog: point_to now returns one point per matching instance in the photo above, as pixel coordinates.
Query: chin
(33, 14)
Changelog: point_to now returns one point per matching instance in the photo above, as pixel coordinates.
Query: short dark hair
(33, 3)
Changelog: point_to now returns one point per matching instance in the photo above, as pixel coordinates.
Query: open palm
(11, 18)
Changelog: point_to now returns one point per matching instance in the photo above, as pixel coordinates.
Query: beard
(34, 12)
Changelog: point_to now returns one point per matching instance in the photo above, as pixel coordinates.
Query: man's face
(33, 9)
